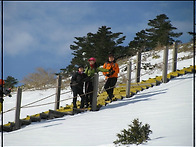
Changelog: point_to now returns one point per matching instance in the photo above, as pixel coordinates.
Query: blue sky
(39, 34)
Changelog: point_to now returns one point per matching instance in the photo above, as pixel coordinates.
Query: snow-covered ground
(66, 97)
(166, 108)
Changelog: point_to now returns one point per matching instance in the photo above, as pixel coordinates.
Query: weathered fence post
(175, 51)
(138, 67)
(165, 64)
(58, 92)
(128, 86)
(95, 90)
(18, 106)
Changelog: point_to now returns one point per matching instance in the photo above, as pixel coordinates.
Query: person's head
(81, 68)
(111, 58)
(91, 60)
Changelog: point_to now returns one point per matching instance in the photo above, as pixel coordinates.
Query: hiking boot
(111, 96)
(108, 99)
(86, 106)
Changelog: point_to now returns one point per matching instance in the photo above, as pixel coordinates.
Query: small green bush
(136, 134)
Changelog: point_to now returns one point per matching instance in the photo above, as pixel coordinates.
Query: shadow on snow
(137, 98)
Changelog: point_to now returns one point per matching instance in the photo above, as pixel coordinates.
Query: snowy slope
(167, 108)
(32, 96)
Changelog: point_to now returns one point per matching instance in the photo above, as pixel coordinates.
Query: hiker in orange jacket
(111, 76)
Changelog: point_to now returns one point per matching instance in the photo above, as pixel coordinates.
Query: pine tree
(97, 45)
(192, 34)
(161, 31)
(140, 42)
(135, 134)
(10, 82)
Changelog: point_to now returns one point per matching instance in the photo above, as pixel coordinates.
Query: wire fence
(30, 105)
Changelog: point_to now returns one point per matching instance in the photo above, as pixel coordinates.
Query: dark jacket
(5, 92)
(77, 80)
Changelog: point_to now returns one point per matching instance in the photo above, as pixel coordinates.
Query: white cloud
(19, 43)
(46, 26)
(49, 26)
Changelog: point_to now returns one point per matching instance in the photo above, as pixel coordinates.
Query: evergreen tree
(135, 134)
(10, 82)
(161, 31)
(192, 34)
(97, 45)
(140, 42)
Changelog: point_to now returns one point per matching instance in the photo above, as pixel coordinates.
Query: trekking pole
(102, 88)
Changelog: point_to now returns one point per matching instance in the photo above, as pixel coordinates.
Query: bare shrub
(41, 79)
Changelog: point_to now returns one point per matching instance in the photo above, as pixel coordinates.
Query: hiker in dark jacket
(77, 83)
(4, 91)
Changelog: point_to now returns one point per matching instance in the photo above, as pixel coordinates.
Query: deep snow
(167, 108)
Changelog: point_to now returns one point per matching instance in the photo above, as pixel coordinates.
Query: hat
(80, 66)
(92, 59)
(110, 55)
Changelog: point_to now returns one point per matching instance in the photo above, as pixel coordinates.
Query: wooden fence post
(138, 67)
(128, 86)
(175, 51)
(58, 92)
(165, 64)
(18, 106)
(95, 90)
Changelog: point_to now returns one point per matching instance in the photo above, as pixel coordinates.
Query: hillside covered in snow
(167, 108)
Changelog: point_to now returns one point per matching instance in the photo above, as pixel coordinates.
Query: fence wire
(29, 105)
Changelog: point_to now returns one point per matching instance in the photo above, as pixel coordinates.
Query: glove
(87, 79)
(111, 71)
(7, 92)
(107, 75)
(74, 83)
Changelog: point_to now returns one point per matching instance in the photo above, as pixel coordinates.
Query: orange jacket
(114, 67)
